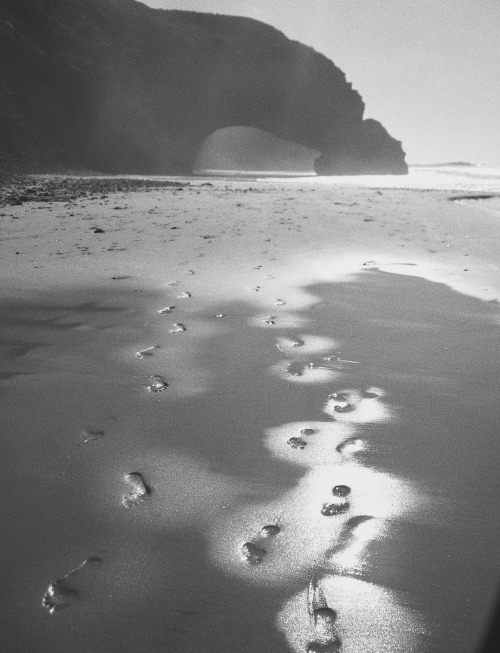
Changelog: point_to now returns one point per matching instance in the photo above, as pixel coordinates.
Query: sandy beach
(248, 414)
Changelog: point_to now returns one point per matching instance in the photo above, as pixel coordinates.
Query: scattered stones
(63, 189)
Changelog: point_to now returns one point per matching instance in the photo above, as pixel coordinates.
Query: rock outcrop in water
(116, 86)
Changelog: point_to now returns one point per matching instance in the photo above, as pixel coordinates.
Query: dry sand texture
(211, 443)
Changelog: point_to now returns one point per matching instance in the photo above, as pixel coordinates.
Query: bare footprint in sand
(91, 435)
(157, 384)
(64, 592)
(178, 328)
(322, 619)
(360, 407)
(138, 492)
(145, 353)
(252, 554)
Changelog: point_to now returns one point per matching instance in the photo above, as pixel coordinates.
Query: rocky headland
(115, 86)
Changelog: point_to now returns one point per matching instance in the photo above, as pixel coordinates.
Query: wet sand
(187, 394)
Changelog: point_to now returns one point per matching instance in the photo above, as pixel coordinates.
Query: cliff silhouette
(115, 86)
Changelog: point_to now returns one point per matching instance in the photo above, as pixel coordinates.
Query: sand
(188, 372)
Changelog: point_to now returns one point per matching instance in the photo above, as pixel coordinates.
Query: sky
(429, 70)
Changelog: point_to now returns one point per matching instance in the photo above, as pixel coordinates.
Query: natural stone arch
(250, 149)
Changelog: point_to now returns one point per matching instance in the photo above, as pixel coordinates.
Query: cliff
(115, 86)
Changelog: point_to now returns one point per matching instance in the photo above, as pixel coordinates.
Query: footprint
(368, 394)
(252, 554)
(143, 353)
(184, 295)
(340, 402)
(157, 384)
(348, 408)
(178, 328)
(307, 432)
(297, 443)
(271, 320)
(323, 620)
(351, 445)
(139, 490)
(295, 368)
(285, 343)
(336, 508)
(271, 530)
(341, 491)
(358, 406)
(60, 594)
(90, 435)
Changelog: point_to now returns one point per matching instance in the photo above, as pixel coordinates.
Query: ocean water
(463, 178)
(453, 177)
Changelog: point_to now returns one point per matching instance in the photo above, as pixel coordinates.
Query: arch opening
(249, 150)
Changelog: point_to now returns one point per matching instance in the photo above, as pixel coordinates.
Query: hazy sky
(429, 70)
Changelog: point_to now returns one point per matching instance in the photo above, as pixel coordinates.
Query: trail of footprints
(63, 592)
(340, 405)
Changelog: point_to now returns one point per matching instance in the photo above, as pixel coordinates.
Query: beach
(248, 413)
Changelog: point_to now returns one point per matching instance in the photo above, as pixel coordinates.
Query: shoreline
(343, 228)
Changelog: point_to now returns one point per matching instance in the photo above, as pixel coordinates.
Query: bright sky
(429, 70)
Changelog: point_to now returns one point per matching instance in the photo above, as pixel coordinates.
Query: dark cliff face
(115, 86)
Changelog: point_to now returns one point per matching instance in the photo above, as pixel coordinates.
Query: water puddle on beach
(334, 487)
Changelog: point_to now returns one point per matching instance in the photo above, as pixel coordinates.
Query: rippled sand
(245, 416)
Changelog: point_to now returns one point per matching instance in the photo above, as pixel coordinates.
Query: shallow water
(174, 486)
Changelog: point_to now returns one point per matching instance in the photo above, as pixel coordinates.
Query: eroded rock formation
(113, 85)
